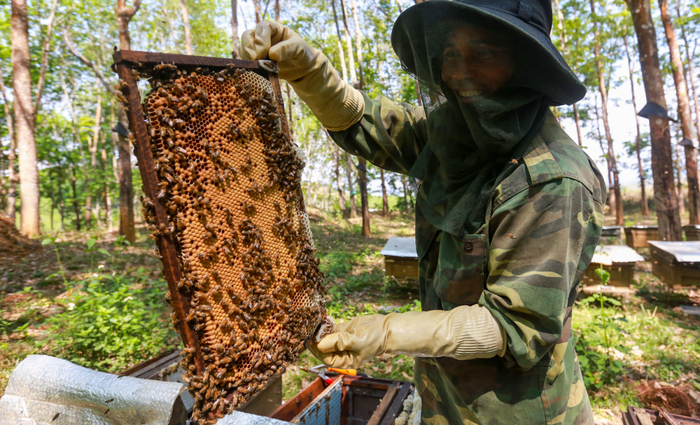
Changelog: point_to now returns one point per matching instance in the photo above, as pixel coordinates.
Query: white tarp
(46, 390)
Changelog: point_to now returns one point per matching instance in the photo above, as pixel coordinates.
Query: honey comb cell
(228, 179)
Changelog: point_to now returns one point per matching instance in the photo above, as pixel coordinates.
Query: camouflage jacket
(524, 265)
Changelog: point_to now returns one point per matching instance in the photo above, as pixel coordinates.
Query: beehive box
(639, 236)
(692, 232)
(618, 260)
(611, 235)
(677, 264)
(401, 258)
(225, 207)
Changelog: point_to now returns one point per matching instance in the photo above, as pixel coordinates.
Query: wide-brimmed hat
(527, 22)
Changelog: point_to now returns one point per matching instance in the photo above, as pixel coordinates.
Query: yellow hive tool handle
(351, 372)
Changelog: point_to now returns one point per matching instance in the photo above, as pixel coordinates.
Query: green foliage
(112, 321)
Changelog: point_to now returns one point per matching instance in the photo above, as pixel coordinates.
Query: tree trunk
(343, 68)
(679, 183)
(127, 228)
(665, 200)
(691, 77)
(611, 193)
(638, 147)
(234, 28)
(61, 205)
(76, 208)
(53, 204)
(364, 198)
(348, 45)
(93, 156)
(351, 187)
(126, 189)
(24, 121)
(186, 23)
(619, 213)
(405, 194)
(12, 177)
(691, 159)
(577, 120)
(358, 44)
(277, 11)
(339, 181)
(385, 199)
(106, 196)
(256, 6)
(45, 50)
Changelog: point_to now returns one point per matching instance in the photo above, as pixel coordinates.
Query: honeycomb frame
(225, 207)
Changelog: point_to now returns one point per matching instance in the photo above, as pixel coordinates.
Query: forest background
(63, 137)
(82, 186)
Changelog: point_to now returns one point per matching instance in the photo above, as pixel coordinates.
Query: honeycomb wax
(229, 181)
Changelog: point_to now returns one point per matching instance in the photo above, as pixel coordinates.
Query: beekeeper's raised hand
(466, 332)
(332, 100)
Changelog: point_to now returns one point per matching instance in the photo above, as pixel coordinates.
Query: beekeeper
(508, 212)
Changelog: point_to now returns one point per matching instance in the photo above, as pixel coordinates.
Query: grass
(649, 338)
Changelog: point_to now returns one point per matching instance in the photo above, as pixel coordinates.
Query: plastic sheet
(240, 418)
(47, 390)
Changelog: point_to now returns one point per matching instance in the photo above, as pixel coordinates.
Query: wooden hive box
(692, 232)
(611, 234)
(639, 236)
(677, 264)
(618, 260)
(401, 258)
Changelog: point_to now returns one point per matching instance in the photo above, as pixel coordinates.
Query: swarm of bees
(229, 180)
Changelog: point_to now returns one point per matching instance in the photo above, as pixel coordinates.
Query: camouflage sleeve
(542, 240)
(389, 135)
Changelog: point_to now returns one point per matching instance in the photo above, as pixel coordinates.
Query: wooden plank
(378, 414)
(155, 58)
(397, 405)
(166, 246)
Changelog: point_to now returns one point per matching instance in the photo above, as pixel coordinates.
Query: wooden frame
(127, 63)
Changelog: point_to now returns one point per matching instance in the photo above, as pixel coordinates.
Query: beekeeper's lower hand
(332, 100)
(466, 332)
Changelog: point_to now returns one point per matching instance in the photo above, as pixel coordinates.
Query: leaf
(104, 251)
(91, 242)
(47, 241)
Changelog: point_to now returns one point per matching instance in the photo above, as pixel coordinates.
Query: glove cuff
(477, 334)
(348, 112)
(333, 101)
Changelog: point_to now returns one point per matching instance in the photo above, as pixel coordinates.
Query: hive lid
(642, 226)
(615, 254)
(683, 252)
(400, 247)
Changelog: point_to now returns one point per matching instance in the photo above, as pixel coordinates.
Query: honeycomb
(229, 180)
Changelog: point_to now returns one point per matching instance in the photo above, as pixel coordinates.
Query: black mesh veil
(484, 104)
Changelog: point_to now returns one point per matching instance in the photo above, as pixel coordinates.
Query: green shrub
(111, 322)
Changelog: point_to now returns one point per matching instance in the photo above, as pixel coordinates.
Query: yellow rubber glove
(466, 332)
(332, 100)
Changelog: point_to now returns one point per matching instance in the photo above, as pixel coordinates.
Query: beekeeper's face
(476, 62)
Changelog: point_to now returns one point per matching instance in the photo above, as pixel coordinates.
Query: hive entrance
(224, 203)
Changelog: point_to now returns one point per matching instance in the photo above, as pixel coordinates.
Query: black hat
(528, 21)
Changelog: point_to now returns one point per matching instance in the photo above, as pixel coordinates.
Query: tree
(616, 196)
(665, 199)
(26, 112)
(638, 144)
(186, 25)
(691, 160)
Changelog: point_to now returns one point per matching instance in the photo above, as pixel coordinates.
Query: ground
(103, 307)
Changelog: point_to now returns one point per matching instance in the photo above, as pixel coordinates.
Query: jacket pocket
(460, 275)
